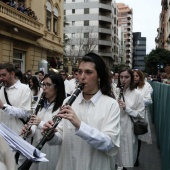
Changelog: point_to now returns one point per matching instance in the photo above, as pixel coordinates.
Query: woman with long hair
(131, 107)
(89, 132)
(36, 90)
(139, 80)
(53, 87)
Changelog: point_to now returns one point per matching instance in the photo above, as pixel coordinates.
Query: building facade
(115, 32)
(163, 32)
(31, 31)
(125, 20)
(89, 24)
(139, 51)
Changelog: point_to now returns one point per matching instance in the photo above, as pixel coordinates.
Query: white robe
(128, 141)
(35, 102)
(52, 152)
(146, 93)
(7, 161)
(103, 115)
(19, 95)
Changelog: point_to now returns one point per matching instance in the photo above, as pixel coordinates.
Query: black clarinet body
(121, 93)
(35, 113)
(27, 164)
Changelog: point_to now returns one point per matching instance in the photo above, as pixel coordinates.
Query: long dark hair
(132, 84)
(60, 89)
(36, 85)
(102, 72)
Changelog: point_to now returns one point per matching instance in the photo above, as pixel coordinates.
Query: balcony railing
(12, 16)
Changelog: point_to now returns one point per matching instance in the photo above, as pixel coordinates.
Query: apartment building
(139, 51)
(31, 31)
(90, 27)
(115, 32)
(122, 47)
(163, 32)
(125, 20)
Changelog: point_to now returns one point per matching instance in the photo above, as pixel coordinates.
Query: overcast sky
(145, 19)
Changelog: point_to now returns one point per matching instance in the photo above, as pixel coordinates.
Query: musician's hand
(122, 104)
(68, 113)
(24, 129)
(34, 120)
(47, 126)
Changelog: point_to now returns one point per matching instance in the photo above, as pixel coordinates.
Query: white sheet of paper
(19, 144)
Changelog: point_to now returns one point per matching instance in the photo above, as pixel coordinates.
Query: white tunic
(35, 102)
(149, 87)
(67, 85)
(146, 93)
(90, 151)
(128, 141)
(7, 161)
(19, 96)
(52, 152)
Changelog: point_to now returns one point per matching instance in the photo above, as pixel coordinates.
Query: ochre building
(31, 30)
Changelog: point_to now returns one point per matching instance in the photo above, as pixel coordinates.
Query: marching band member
(53, 87)
(131, 106)
(89, 132)
(146, 94)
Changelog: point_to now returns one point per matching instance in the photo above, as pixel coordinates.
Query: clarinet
(35, 113)
(27, 164)
(121, 93)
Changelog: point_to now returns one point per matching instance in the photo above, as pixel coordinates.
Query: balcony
(129, 16)
(10, 17)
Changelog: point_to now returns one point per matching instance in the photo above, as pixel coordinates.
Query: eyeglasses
(47, 84)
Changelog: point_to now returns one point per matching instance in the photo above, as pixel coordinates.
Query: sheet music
(19, 144)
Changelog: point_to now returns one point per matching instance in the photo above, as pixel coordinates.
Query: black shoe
(124, 168)
(136, 163)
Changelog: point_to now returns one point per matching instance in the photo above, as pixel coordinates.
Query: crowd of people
(20, 6)
(96, 131)
(162, 77)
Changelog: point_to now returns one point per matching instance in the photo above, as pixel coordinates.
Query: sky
(145, 19)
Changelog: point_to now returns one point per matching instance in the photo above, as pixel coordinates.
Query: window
(73, 23)
(86, 0)
(48, 16)
(48, 20)
(73, 11)
(73, 35)
(73, 0)
(86, 10)
(19, 59)
(86, 35)
(86, 23)
(55, 19)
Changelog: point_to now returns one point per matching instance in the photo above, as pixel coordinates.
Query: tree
(157, 59)
(65, 39)
(83, 42)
